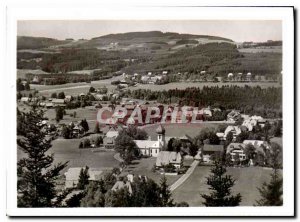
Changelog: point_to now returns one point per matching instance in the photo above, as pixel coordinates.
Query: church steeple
(161, 134)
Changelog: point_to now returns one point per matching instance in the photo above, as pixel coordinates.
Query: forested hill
(151, 34)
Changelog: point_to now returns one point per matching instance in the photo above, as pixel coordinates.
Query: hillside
(151, 34)
(185, 56)
(26, 42)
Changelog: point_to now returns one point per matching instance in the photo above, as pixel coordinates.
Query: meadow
(247, 181)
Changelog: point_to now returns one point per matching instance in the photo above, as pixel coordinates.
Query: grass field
(247, 181)
(77, 88)
(277, 140)
(177, 130)
(67, 150)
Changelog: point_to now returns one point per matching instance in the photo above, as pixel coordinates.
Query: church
(152, 147)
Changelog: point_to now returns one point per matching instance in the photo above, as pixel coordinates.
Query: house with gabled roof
(121, 185)
(165, 158)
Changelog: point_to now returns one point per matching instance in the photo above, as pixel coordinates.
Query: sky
(237, 30)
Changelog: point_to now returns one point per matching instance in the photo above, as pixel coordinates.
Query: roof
(237, 130)
(233, 146)
(255, 142)
(25, 99)
(94, 173)
(143, 144)
(167, 157)
(160, 130)
(120, 184)
(58, 101)
(112, 133)
(213, 148)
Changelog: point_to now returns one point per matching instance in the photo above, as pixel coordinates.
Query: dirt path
(182, 179)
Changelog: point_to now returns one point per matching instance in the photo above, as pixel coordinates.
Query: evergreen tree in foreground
(220, 185)
(83, 178)
(271, 193)
(36, 175)
(165, 193)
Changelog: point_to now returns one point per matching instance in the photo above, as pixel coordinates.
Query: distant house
(165, 72)
(253, 121)
(25, 99)
(49, 105)
(58, 102)
(77, 130)
(235, 130)
(68, 98)
(36, 80)
(233, 116)
(209, 151)
(145, 79)
(166, 157)
(236, 149)
(249, 76)
(205, 112)
(109, 139)
(72, 175)
(121, 184)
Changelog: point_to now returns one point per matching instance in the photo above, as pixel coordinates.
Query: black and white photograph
(190, 114)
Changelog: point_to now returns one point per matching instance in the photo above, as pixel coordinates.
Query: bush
(86, 143)
(99, 141)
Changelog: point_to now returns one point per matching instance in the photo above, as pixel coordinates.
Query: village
(173, 144)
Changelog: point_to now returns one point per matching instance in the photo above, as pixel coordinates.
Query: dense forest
(266, 102)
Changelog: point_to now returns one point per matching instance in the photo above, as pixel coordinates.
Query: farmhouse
(253, 121)
(58, 102)
(110, 137)
(233, 116)
(165, 158)
(121, 184)
(209, 151)
(68, 98)
(25, 99)
(235, 130)
(72, 175)
(236, 149)
(152, 147)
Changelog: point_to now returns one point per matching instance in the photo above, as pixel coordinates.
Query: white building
(152, 147)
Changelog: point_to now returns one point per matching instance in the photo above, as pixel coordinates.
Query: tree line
(266, 102)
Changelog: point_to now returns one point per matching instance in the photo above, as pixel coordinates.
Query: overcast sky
(237, 30)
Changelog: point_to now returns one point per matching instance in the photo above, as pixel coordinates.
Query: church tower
(161, 135)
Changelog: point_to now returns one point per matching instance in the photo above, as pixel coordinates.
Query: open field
(177, 130)
(247, 181)
(183, 85)
(77, 88)
(277, 140)
(274, 49)
(67, 150)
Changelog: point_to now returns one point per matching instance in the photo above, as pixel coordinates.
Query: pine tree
(165, 193)
(84, 125)
(83, 178)
(271, 193)
(97, 128)
(220, 185)
(36, 175)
